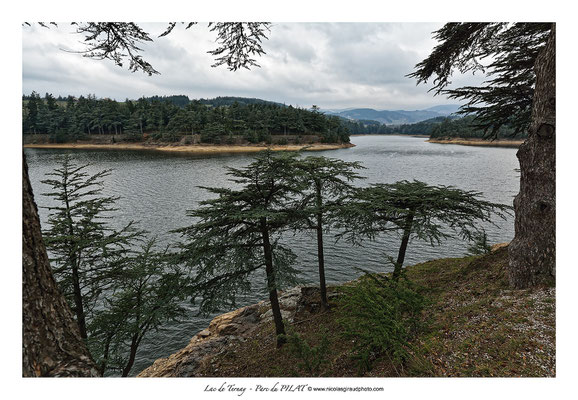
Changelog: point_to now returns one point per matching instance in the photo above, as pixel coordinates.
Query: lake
(156, 189)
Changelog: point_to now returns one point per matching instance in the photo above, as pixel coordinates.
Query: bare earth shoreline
(197, 148)
(479, 142)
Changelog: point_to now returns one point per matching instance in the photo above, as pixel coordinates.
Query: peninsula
(192, 148)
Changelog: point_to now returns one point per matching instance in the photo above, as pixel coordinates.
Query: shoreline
(239, 343)
(389, 134)
(479, 142)
(196, 149)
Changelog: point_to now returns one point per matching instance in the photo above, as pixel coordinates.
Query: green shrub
(381, 316)
(312, 358)
(480, 244)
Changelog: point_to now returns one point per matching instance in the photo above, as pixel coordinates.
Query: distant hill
(366, 127)
(182, 100)
(445, 109)
(395, 117)
(230, 100)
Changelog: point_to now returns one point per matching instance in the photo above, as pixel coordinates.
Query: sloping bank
(477, 326)
(478, 142)
(193, 148)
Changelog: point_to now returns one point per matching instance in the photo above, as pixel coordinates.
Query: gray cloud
(329, 64)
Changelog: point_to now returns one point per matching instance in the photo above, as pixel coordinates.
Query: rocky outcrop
(227, 328)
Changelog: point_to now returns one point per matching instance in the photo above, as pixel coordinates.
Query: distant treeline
(365, 127)
(438, 127)
(170, 118)
(466, 128)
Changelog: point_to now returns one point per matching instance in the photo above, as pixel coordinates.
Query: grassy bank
(474, 325)
(478, 142)
(196, 148)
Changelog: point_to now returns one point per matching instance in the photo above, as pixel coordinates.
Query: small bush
(312, 358)
(381, 316)
(480, 244)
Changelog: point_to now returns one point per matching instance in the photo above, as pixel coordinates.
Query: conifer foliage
(329, 185)
(86, 254)
(505, 52)
(237, 234)
(118, 293)
(414, 209)
(120, 42)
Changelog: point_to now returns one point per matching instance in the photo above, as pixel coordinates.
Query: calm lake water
(156, 189)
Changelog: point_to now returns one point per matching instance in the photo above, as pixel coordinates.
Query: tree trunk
(74, 264)
(78, 304)
(403, 247)
(133, 348)
(533, 250)
(320, 256)
(272, 284)
(51, 342)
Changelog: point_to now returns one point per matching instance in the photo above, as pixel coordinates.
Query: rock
(268, 316)
(226, 329)
(498, 246)
(204, 333)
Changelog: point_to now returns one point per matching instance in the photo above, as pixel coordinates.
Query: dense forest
(218, 120)
(169, 119)
(365, 127)
(466, 127)
(438, 127)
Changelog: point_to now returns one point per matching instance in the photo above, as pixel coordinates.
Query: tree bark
(320, 255)
(78, 304)
(532, 252)
(272, 284)
(403, 247)
(133, 348)
(51, 342)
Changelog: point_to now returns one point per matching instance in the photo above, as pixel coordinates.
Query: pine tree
(86, 254)
(237, 234)
(416, 210)
(118, 293)
(328, 182)
(148, 293)
(51, 342)
(523, 60)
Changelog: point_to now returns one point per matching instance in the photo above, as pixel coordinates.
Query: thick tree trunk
(51, 342)
(533, 251)
(272, 285)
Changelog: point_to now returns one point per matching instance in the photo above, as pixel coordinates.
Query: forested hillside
(168, 119)
(365, 127)
(439, 127)
(466, 128)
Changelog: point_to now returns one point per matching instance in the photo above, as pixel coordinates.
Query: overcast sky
(332, 65)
